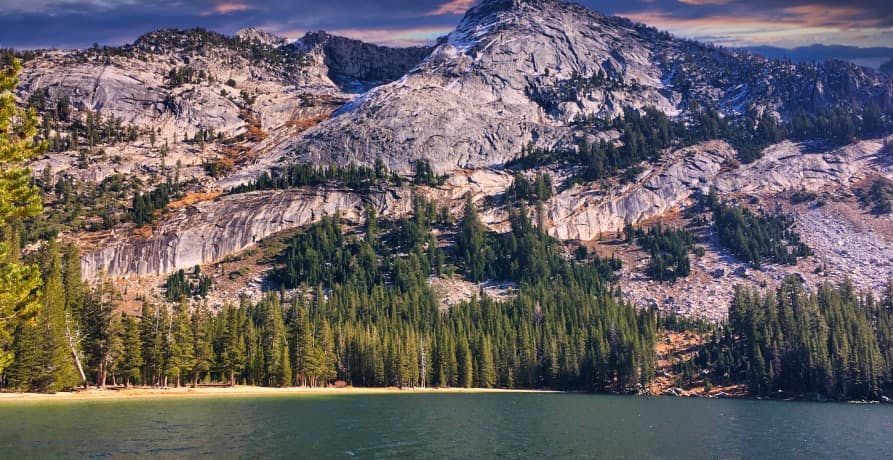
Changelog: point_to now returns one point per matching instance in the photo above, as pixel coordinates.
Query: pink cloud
(453, 7)
(226, 8)
(789, 26)
(704, 2)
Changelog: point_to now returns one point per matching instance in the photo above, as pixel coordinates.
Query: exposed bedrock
(209, 231)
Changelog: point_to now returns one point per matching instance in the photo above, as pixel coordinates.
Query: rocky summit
(518, 72)
(192, 148)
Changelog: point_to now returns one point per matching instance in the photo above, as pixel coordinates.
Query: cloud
(453, 7)
(226, 8)
(51, 6)
(705, 2)
(783, 23)
(79, 23)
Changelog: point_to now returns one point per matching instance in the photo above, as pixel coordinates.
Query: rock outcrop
(473, 102)
(211, 230)
(795, 166)
(356, 66)
(581, 213)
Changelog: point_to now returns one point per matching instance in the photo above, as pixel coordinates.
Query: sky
(734, 23)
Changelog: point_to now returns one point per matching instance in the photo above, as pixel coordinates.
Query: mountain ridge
(511, 94)
(631, 124)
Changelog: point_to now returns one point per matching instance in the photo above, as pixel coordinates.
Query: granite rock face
(795, 166)
(516, 72)
(474, 101)
(358, 66)
(132, 82)
(211, 230)
(583, 214)
(512, 74)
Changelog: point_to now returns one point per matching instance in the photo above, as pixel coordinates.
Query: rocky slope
(582, 213)
(244, 86)
(513, 73)
(209, 231)
(521, 71)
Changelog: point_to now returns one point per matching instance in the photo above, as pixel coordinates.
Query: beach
(239, 390)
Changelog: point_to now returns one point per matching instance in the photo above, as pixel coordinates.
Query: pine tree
(26, 371)
(103, 329)
(180, 357)
(19, 199)
(132, 360)
(486, 367)
(59, 364)
(466, 367)
(201, 324)
(232, 356)
(152, 331)
(470, 243)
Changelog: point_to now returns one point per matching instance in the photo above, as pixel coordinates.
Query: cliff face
(357, 66)
(211, 230)
(474, 102)
(583, 214)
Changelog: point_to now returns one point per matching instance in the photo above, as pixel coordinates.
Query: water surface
(484, 425)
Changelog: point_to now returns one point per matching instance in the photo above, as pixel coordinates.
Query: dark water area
(424, 425)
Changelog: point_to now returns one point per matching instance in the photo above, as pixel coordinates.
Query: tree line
(834, 341)
(668, 250)
(302, 175)
(645, 134)
(353, 176)
(522, 189)
(180, 286)
(756, 238)
(378, 323)
(144, 205)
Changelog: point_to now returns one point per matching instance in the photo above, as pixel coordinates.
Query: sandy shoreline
(241, 390)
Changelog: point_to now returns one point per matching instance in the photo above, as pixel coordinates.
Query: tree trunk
(101, 377)
(232, 378)
(72, 345)
(195, 379)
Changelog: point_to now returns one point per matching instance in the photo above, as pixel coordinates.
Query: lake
(425, 425)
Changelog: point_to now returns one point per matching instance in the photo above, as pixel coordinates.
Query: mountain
(518, 72)
(191, 148)
(510, 207)
(134, 82)
(870, 57)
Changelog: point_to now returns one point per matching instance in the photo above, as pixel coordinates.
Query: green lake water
(484, 425)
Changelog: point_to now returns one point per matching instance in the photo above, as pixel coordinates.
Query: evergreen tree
(60, 365)
(201, 329)
(470, 243)
(132, 361)
(19, 199)
(180, 346)
(232, 355)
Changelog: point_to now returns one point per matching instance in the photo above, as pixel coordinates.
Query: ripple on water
(486, 425)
